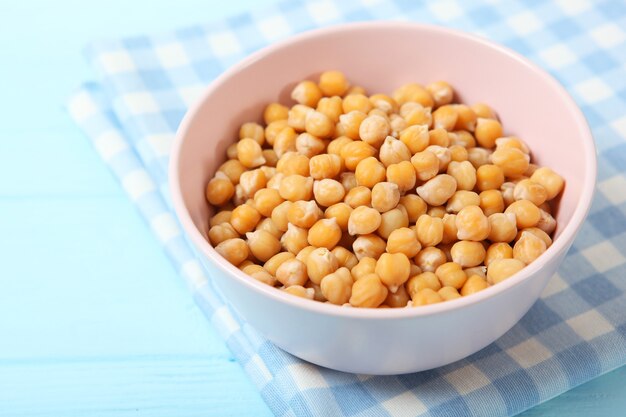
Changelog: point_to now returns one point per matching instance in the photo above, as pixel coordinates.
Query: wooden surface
(93, 319)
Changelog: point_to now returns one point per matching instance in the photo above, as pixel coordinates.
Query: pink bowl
(381, 56)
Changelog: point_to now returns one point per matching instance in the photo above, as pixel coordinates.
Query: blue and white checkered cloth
(575, 332)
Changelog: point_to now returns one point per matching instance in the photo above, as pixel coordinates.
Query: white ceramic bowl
(381, 56)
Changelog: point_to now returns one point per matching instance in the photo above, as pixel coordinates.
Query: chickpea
(468, 253)
(300, 291)
(437, 190)
(274, 112)
(280, 215)
(426, 165)
(374, 129)
(244, 218)
(365, 266)
(293, 163)
(449, 293)
(466, 118)
(296, 187)
(403, 240)
(498, 250)
(368, 292)
(484, 111)
(501, 269)
(292, 272)
(489, 177)
(304, 214)
(309, 145)
(464, 173)
(294, 239)
(421, 281)
(526, 213)
(528, 247)
(354, 152)
(392, 220)
(491, 202)
(219, 190)
(277, 260)
(398, 299)
(415, 138)
(472, 224)
(303, 255)
(306, 93)
(425, 297)
(320, 263)
(233, 250)
(429, 258)
(429, 230)
(252, 181)
(385, 196)
(370, 246)
(550, 180)
(337, 286)
(341, 212)
(441, 92)
(269, 226)
(393, 151)
(513, 162)
(358, 196)
(333, 83)
(328, 192)
(487, 131)
(259, 273)
(334, 146)
(285, 141)
(461, 199)
(363, 220)
(324, 166)
(451, 274)
(345, 257)
(356, 102)
(473, 285)
(325, 233)
(369, 172)
(222, 232)
(478, 156)
(503, 227)
(403, 175)
(413, 92)
(350, 124)
(445, 117)
(274, 128)
(414, 206)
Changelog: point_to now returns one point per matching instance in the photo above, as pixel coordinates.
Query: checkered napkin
(575, 332)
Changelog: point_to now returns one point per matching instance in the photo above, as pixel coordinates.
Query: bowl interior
(381, 57)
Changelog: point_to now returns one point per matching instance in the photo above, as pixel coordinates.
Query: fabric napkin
(575, 332)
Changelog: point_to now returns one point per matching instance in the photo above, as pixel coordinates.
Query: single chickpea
(384, 102)
(526, 213)
(365, 266)
(402, 174)
(293, 163)
(307, 93)
(451, 274)
(277, 260)
(318, 124)
(333, 83)
(266, 200)
(398, 299)
(403, 240)
(294, 239)
(472, 224)
(304, 214)
(419, 115)
(474, 284)
(461, 199)
(328, 192)
(429, 230)
(426, 165)
(262, 244)
(292, 272)
(356, 102)
(300, 291)
(337, 286)
(459, 154)
(320, 263)
(345, 257)
(309, 145)
(498, 250)
(341, 212)
(269, 226)
(274, 128)
(529, 190)
(252, 181)
(466, 118)
(489, 177)
(304, 253)
(438, 137)
(332, 107)
(274, 112)
(437, 190)
(393, 151)
(222, 232)
(234, 250)
(537, 232)
(415, 138)
(358, 196)
(259, 273)
(392, 220)
(244, 218)
(546, 222)
(429, 258)
(325, 233)
(449, 293)
(483, 110)
(285, 141)
(296, 187)
(501, 269)
(443, 154)
(414, 206)
(325, 166)
(374, 129)
(503, 227)
(363, 220)
(513, 162)
(426, 297)
(223, 216)
(297, 117)
(369, 172)
(385, 196)
(356, 151)
(368, 292)
(233, 170)
(280, 215)
(393, 270)
(371, 246)
(249, 153)
(528, 247)
(491, 202)
(441, 92)
(445, 117)
(219, 190)
(487, 131)
(413, 92)
(253, 131)
(421, 281)
(464, 173)
(550, 180)
(468, 253)
(350, 124)
(512, 142)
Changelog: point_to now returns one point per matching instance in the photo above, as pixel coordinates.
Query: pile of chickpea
(380, 201)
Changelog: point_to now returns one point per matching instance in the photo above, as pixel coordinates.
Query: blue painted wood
(93, 319)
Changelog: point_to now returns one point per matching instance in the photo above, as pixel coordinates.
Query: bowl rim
(561, 244)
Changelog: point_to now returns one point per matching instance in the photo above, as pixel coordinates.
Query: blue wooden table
(93, 319)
